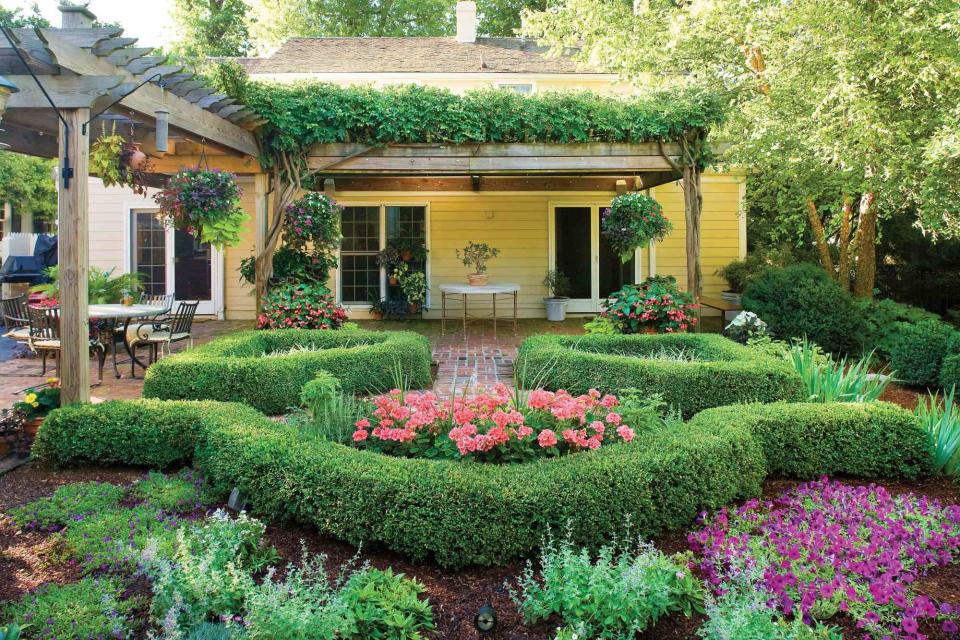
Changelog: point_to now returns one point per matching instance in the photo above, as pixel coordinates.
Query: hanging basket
(205, 203)
(633, 221)
(313, 219)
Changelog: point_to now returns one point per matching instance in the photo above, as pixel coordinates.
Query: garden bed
(691, 371)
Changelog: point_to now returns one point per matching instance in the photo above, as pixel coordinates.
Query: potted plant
(390, 259)
(378, 305)
(118, 162)
(632, 221)
(477, 254)
(737, 274)
(205, 203)
(313, 219)
(558, 286)
(11, 426)
(414, 287)
(655, 306)
(37, 404)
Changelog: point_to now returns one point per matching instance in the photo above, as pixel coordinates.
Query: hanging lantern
(7, 89)
(162, 115)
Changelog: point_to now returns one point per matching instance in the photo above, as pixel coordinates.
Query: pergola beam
(67, 92)
(149, 98)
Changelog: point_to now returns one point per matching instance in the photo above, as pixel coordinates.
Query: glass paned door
(581, 252)
(173, 262)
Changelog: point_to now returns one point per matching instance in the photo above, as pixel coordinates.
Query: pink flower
(362, 423)
(625, 432)
(547, 439)
(360, 435)
(523, 431)
(613, 418)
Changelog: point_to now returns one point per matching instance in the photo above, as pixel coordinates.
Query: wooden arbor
(83, 71)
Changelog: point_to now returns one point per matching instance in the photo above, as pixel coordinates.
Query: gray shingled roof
(402, 55)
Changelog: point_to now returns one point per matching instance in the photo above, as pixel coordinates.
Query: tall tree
(842, 106)
(211, 28)
(27, 184)
(15, 18)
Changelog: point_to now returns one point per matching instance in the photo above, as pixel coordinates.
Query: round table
(114, 313)
(464, 290)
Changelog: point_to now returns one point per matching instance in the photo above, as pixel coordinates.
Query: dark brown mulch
(903, 396)
(455, 596)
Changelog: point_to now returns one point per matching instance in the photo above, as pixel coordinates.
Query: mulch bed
(456, 596)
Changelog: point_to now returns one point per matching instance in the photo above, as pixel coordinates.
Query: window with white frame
(367, 229)
(524, 88)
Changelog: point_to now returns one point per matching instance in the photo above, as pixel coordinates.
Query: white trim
(214, 306)
(382, 206)
(502, 84)
(585, 305)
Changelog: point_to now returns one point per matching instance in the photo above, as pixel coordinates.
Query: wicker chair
(45, 338)
(165, 331)
(16, 319)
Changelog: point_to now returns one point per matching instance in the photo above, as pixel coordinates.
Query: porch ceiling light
(7, 89)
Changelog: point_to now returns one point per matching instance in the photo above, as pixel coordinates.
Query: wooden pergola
(84, 72)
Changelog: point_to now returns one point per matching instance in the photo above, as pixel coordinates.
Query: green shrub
(883, 319)
(950, 372)
(918, 350)
(178, 493)
(267, 369)
(802, 300)
(617, 595)
(148, 433)
(722, 372)
(805, 441)
(89, 608)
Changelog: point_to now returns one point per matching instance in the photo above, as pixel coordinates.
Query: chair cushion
(21, 333)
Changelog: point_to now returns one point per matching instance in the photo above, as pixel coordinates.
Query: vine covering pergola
(410, 137)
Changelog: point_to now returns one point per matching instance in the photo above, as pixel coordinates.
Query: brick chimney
(466, 21)
(76, 17)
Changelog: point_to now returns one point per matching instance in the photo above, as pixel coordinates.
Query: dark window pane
(191, 268)
(360, 275)
(613, 273)
(573, 248)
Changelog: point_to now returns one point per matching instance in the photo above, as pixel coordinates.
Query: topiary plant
(802, 300)
(917, 351)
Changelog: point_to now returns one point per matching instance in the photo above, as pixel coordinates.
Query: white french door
(174, 262)
(578, 249)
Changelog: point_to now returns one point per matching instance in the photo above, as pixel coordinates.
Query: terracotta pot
(134, 157)
(477, 279)
(414, 307)
(31, 428)
(394, 281)
(406, 256)
(648, 330)
(376, 315)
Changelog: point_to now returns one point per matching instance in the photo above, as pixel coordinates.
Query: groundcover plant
(827, 547)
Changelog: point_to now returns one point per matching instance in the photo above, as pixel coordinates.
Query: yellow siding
(238, 299)
(517, 224)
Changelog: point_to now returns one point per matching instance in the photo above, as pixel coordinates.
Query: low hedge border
(234, 369)
(462, 513)
(729, 373)
(807, 440)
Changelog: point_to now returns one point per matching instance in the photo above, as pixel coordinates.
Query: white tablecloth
(111, 311)
(487, 289)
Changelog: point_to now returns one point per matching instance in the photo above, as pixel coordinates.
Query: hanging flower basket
(632, 221)
(204, 203)
(314, 219)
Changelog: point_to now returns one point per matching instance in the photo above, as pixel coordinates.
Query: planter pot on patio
(477, 279)
(393, 281)
(31, 428)
(730, 296)
(376, 315)
(413, 308)
(556, 308)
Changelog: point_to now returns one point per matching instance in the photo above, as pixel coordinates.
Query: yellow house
(540, 219)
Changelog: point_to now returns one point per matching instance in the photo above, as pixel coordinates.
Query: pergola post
(73, 231)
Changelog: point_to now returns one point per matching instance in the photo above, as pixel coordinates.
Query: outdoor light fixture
(486, 619)
(7, 88)
(162, 114)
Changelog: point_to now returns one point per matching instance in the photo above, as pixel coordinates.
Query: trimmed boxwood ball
(808, 440)
(461, 513)
(723, 372)
(266, 369)
(918, 350)
(803, 300)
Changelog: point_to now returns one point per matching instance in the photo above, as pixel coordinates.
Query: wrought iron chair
(45, 338)
(164, 301)
(165, 331)
(16, 319)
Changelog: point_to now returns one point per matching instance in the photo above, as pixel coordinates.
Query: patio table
(464, 290)
(113, 314)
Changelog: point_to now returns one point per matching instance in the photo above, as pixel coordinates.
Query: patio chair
(165, 331)
(164, 301)
(16, 320)
(45, 338)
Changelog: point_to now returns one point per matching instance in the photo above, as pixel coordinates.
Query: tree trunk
(843, 274)
(867, 247)
(820, 238)
(693, 205)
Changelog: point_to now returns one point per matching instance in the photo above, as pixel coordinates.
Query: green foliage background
(27, 184)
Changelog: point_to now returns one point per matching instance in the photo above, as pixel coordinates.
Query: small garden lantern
(486, 619)
(7, 89)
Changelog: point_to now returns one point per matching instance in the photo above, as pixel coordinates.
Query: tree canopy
(836, 105)
(211, 28)
(16, 19)
(27, 184)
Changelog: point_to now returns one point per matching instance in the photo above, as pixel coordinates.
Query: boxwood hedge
(461, 513)
(808, 440)
(692, 371)
(266, 369)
